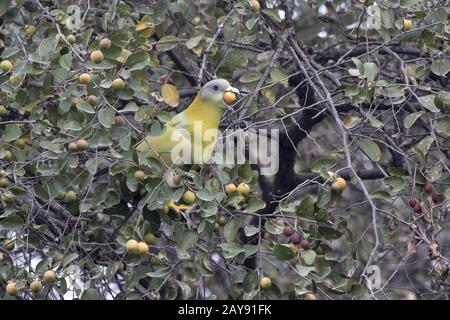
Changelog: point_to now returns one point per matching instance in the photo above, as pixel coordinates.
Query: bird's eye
(215, 87)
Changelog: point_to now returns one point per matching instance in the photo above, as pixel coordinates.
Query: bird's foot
(178, 208)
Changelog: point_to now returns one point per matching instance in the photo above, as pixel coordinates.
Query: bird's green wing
(162, 145)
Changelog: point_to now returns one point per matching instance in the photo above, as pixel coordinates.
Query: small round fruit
(304, 244)
(4, 182)
(255, 5)
(139, 175)
(105, 43)
(407, 24)
(428, 188)
(265, 283)
(8, 155)
(9, 244)
(72, 147)
(84, 78)
(229, 188)
(61, 196)
(310, 296)
(142, 248)
(418, 208)
(2, 173)
(132, 246)
(229, 97)
(118, 84)
(412, 202)
(296, 239)
(197, 20)
(216, 226)
(164, 210)
(11, 289)
(49, 276)
(222, 220)
(6, 65)
(82, 144)
(71, 196)
(288, 231)
(243, 189)
(3, 110)
(71, 39)
(189, 197)
(119, 121)
(30, 30)
(338, 185)
(92, 100)
(97, 56)
(36, 286)
(150, 238)
(15, 80)
(90, 234)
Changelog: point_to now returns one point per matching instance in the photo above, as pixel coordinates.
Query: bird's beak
(232, 89)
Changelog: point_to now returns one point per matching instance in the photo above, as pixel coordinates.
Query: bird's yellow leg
(178, 208)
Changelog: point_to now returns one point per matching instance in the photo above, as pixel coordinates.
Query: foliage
(366, 104)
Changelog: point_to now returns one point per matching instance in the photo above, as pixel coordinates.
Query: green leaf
(90, 294)
(250, 230)
(251, 281)
(11, 133)
(409, 120)
(106, 116)
(84, 106)
(65, 61)
(138, 61)
(12, 223)
(205, 195)
(47, 47)
(231, 250)
(428, 103)
(421, 149)
(306, 207)
(230, 230)
(440, 66)
(69, 259)
(254, 205)
(322, 164)
(167, 43)
(329, 233)
(370, 71)
(394, 183)
(370, 148)
(282, 252)
(308, 256)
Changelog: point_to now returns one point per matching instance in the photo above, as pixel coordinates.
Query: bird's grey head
(214, 90)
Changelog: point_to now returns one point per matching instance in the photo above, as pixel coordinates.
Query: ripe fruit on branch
(105, 43)
(428, 188)
(71, 196)
(49, 276)
(118, 84)
(6, 65)
(243, 189)
(132, 246)
(189, 197)
(296, 239)
(36, 286)
(229, 97)
(412, 202)
(92, 100)
(11, 289)
(84, 78)
(82, 144)
(96, 56)
(142, 248)
(9, 244)
(139, 175)
(407, 24)
(265, 283)
(338, 185)
(229, 188)
(71, 39)
(222, 220)
(288, 231)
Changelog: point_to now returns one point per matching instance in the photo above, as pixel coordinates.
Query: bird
(190, 136)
